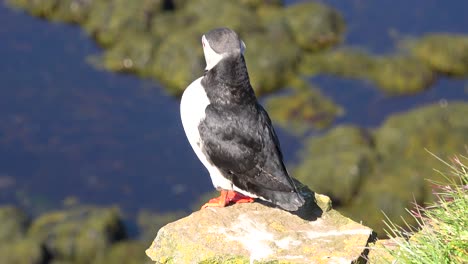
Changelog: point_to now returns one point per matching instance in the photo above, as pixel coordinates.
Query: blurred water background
(71, 132)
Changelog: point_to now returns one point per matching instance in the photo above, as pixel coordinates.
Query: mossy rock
(315, 26)
(40, 8)
(337, 163)
(269, 73)
(72, 11)
(446, 53)
(260, 3)
(343, 62)
(23, 251)
(440, 128)
(13, 224)
(179, 61)
(108, 21)
(129, 56)
(302, 109)
(78, 234)
(208, 14)
(394, 74)
(128, 252)
(401, 74)
(386, 170)
(389, 190)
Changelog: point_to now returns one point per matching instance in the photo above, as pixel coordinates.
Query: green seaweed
(14, 223)
(445, 53)
(367, 172)
(78, 234)
(315, 26)
(22, 251)
(394, 74)
(337, 163)
(302, 109)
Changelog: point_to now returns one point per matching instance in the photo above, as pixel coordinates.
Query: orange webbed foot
(226, 198)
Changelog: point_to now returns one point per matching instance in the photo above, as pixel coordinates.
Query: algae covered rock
(337, 163)
(343, 62)
(15, 247)
(315, 26)
(401, 74)
(394, 74)
(269, 73)
(128, 252)
(367, 172)
(23, 251)
(255, 233)
(14, 223)
(78, 234)
(446, 53)
(303, 109)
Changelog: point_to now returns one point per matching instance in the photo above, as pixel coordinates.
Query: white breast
(192, 111)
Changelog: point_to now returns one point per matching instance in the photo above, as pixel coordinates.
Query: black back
(238, 136)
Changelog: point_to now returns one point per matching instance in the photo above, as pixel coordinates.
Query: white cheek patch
(211, 57)
(243, 47)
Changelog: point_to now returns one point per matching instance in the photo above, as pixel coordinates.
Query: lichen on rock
(257, 233)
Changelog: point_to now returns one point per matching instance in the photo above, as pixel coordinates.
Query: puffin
(231, 133)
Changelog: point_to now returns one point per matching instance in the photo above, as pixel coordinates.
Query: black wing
(242, 143)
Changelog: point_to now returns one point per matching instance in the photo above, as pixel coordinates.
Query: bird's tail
(289, 201)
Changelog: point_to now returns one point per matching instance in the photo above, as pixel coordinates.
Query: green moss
(78, 234)
(13, 224)
(179, 61)
(302, 110)
(73, 11)
(315, 26)
(269, 73)
(336, 163)
(22, 251)
(345, 62)
(401, 74)
(129, 56)
(109, 21)
(394, 74)
(128, 252)
(446, 53)
(42, 8)
(386, 170)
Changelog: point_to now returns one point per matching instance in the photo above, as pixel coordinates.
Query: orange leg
(227, 197)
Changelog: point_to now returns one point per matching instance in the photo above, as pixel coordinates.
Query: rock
(340, 160)
(398, 74)
(302, 109)
(315, 26)
(395, 74)
(446, 53)
(23, 251)
(245, 233)
(128, 252)
(78, 234)
(13, 224)
(360, 168)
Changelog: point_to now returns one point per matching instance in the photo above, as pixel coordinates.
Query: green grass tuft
(441, 233)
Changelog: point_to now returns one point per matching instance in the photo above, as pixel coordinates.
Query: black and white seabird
(231, 133)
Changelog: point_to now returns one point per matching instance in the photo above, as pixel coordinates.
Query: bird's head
(220, 43)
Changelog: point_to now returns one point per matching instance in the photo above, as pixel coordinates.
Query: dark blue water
(67, 129)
